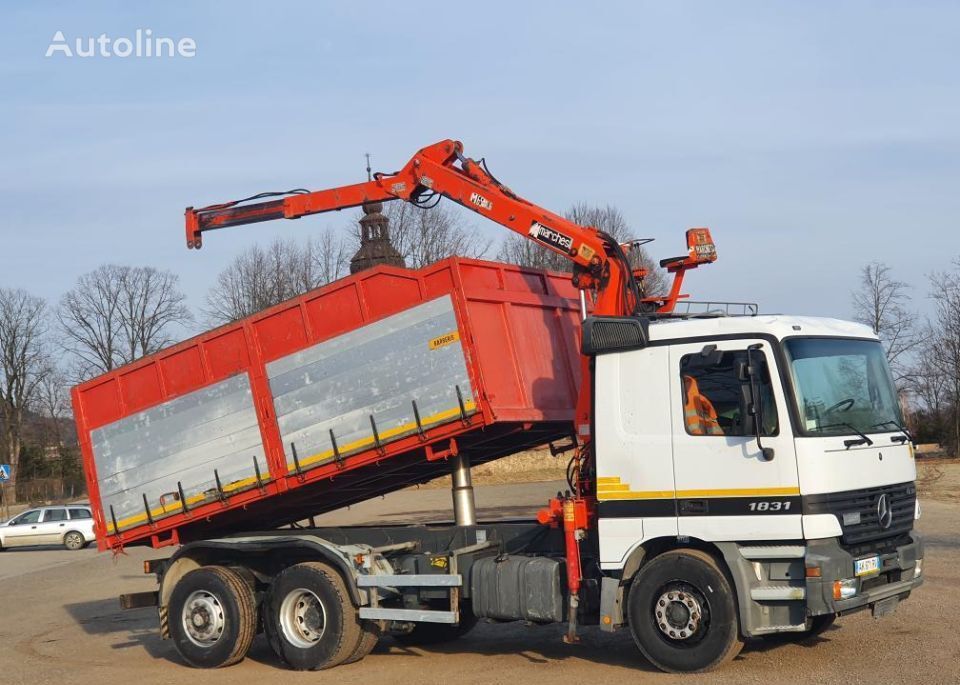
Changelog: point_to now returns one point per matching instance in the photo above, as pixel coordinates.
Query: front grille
(901, 499)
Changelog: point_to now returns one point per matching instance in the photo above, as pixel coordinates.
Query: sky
(810, 137)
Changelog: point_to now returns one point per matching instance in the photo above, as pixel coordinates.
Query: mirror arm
(756, 408)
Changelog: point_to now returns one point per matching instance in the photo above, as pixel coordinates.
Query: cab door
(728, 488)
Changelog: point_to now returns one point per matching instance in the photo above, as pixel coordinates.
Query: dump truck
(731, 475)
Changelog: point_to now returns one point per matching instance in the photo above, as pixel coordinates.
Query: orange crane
(601, 266)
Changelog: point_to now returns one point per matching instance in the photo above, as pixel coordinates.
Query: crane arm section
(600, 263)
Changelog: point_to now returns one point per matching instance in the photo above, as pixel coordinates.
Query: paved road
(60, 624)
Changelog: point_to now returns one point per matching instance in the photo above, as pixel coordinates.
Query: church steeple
(375, 245)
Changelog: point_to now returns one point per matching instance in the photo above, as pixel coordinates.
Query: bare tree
(882, 302)
(945, 344)
(328, 257)
(928, 384)
(53, 400)
(518, 249)
(262, 277)
(116, 314)
(23, 363)
(424, 236)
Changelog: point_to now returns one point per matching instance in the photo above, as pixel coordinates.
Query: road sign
(5, 472)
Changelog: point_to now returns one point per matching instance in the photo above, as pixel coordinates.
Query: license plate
(885, 607)
(864, 567)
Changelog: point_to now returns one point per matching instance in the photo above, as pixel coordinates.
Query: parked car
(69, 525)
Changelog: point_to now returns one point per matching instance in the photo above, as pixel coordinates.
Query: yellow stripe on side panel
(175, 507)
(648, 494)
(739, 492)
(468, 405)
(612, 488)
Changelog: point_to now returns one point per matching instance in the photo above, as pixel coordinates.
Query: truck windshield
(842, 387)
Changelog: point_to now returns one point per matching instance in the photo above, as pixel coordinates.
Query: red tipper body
(350, 391)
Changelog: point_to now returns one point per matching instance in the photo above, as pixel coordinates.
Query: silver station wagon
(69, 525)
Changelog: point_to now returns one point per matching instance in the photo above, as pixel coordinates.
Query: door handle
(62, 525)
(33, 527)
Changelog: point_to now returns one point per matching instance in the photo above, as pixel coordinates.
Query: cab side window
(717, 394)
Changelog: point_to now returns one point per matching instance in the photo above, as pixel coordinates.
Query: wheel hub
(203, 619)
(302, 618)
(678, 614)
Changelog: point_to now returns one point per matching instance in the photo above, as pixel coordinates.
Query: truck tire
(438, 633)
(213, 617)
(369, 637)
(683, 613)
(309, 619)
(74, 540)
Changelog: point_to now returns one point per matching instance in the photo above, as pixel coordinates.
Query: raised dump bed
(350, 391)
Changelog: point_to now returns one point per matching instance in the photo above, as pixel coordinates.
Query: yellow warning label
(444, 340)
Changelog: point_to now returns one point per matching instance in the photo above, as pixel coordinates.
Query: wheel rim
(73, 540)
(203, 620)
(303, 618)
(681, 614)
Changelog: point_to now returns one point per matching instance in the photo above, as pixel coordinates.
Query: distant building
(375, 245)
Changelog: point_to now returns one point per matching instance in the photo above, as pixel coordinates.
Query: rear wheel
(212, 617)
(309, 618)
(683, 613)
(369, 636)
(74, 540)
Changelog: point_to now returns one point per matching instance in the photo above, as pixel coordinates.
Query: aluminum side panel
(376, 371)
(183, 440)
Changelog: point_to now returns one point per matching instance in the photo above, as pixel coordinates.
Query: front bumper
(897, 576)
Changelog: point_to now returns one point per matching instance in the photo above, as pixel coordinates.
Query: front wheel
(683, 613)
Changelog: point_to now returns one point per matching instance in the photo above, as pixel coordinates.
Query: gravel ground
(60, 623)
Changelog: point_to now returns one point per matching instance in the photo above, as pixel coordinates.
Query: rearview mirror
(748, 372)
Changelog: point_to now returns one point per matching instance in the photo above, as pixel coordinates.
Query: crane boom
(600, 263)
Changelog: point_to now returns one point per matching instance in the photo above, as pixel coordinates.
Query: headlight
(845, 589)
(916, 509)
(918, 569)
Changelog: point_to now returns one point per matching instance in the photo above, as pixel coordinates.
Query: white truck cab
(781, 445)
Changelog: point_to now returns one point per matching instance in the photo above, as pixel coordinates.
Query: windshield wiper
(896, 438)
(862, 440)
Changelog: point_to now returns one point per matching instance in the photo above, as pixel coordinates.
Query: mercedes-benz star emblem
(884, 512)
